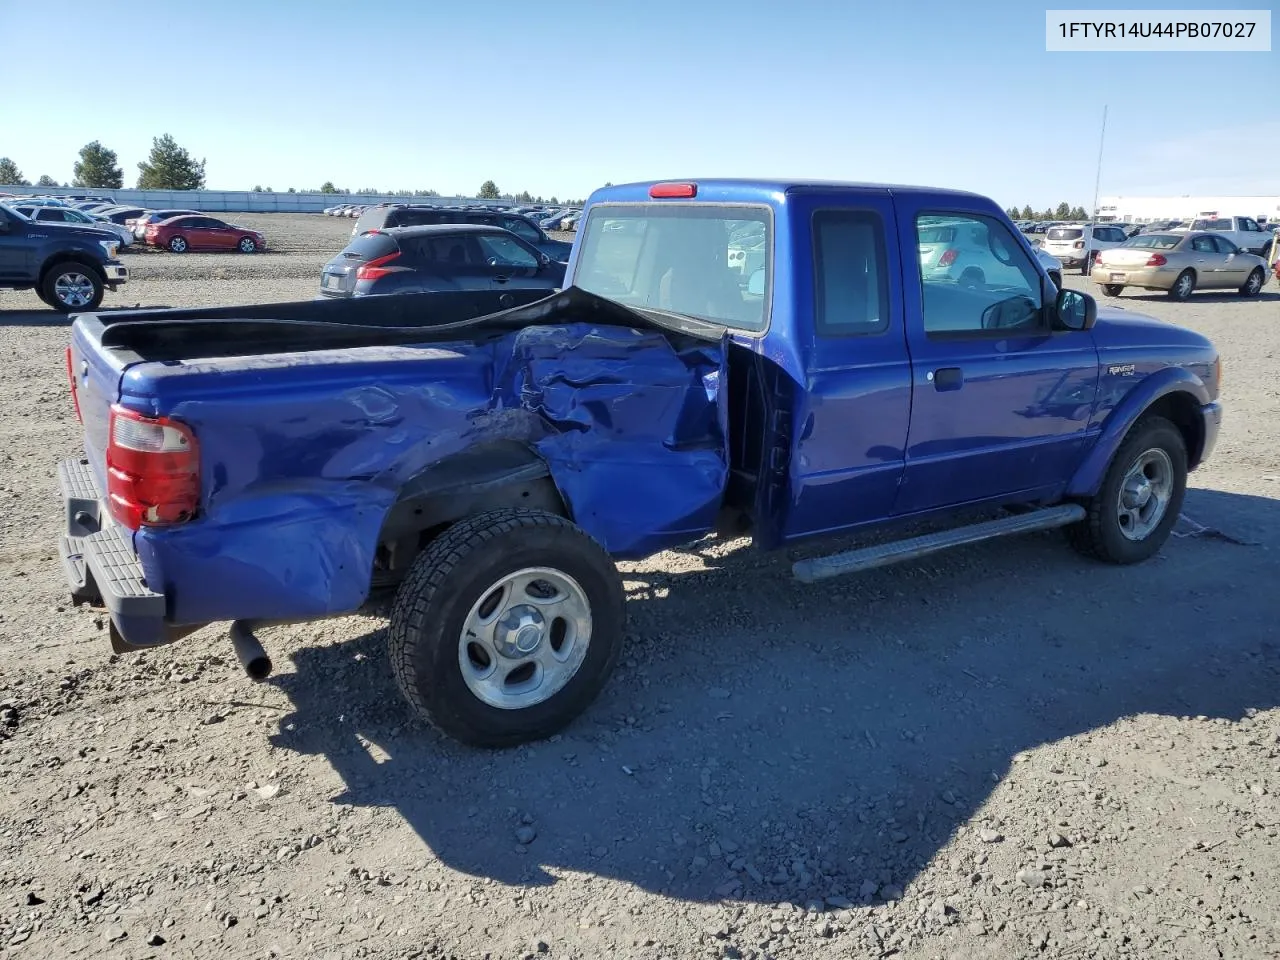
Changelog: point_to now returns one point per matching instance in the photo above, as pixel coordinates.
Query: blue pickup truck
(482, 462)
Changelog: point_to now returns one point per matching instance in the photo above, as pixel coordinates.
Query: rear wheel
(507, 627)
(72, 286)
(1253, 285)
(972, 277)
(1087, 266)
(1056, 277)
(1183, 286)
(1113, 289)
(177, 244)
(1133, 512)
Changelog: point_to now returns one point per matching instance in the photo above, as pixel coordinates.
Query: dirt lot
(1002, 752)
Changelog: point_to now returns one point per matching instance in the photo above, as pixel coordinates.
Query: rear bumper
(101, 568)
(1149, 278)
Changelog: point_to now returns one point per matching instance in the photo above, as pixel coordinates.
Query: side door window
(51, 214)
(979, 281)
(851, 290)
(1204, 244)
(506, 255)
(1249, 226)
(1224, 246)
(454, 254)
(522, 229)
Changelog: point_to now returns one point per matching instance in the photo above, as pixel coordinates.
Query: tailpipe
(249, 651)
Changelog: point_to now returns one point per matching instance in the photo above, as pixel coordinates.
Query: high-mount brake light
(663, 191)
(153, 470)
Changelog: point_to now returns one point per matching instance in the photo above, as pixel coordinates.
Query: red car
(200, 232)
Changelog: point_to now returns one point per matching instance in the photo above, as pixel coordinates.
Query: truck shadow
(768, 741)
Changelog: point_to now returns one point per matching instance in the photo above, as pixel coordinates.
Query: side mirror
(1074, 310)
(755, 284)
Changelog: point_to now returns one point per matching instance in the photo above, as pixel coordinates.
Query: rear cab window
(702, 260)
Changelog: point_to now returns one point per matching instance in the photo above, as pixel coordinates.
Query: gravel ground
(1000, 752)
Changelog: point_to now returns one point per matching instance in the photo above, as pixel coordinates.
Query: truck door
(16, 251)
(1000, 402)
(852, 414)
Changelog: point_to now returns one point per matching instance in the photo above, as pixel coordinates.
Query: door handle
(946, 378)
(501, 279)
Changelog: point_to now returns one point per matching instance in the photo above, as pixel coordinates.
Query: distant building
(1147, 209)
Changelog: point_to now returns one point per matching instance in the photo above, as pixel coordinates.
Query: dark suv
(380, 218)
(438, 257)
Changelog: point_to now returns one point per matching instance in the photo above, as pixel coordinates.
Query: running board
(883, 554)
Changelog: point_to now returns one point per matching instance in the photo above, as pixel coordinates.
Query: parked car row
(528, 230)
(546, 218)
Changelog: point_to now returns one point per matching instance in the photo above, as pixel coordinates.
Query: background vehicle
(1076, 245)
(381, 218)
(139, 224)
(389, 444)
(71, 215)
(67, 265)
(1052, 266)
(202, 232)
(1180, 263)
(438, 257)
(1244, 232)
(959, 251)
(120, 214)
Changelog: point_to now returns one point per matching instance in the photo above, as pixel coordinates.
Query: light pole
(1098, 179)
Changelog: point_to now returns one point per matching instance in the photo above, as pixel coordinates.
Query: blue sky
(559, 96)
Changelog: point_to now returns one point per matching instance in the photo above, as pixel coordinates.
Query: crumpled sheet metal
(302, 459)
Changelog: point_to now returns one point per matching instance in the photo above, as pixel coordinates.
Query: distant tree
(553, 200)
(368, 191)
(328, 187)
(1027, 213)
(1012, 213)
(97, 167)
(257, 188)
(10, 174)
(1077, 213)
(1063, 211)
(523, 197)
(489, 191)
(46, 181)
(291, 190)
(608, 183)
(426, 193)
(170, 167)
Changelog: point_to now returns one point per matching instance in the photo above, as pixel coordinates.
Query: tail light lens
(75, 390)
(153, 470)
(948, 257)
(1157, 260)
(375, 268)
(1079, 244)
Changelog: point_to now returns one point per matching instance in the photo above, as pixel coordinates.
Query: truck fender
(1174, 393)
(82, 257)
(504, 473)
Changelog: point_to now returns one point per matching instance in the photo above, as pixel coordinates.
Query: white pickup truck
(1244, 232)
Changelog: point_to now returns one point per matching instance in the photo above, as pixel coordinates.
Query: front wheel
(1253, 285)
(507, 627)
(247, 245)
(1133, 512)
(72, 286)
(1113, 289)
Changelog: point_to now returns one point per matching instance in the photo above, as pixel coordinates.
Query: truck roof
(732, 190)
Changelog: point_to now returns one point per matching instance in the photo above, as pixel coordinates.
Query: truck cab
(878, 357)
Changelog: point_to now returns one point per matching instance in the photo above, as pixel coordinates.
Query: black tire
(1253, 286)
(1101, 535)
(247, 245)
(1184, 286)
(455, 573)
(72, 286)
(1056, 277)
(1113, 289)
(972, 277)
(1086, 266)
(178, 244)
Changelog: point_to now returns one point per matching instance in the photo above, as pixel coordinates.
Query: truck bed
(299, 326)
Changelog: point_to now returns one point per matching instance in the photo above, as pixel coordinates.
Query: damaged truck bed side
(783, 360)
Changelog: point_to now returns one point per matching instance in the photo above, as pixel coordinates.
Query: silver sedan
(1179, 263)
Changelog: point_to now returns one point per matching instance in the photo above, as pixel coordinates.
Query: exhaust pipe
(249, 651)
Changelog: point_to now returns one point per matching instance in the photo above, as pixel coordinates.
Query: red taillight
(669, 190)
(948, 257)
(375, 269)
(1156, 260)
(153, 470)
(1079, 244)
(75, 392)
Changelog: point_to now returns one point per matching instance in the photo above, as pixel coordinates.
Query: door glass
(505, 251)
(1224, 245)
(1203, 245)
(850, 288)
(522, 229)
(975, 278)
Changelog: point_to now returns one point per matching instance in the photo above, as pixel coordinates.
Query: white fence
(239, 201)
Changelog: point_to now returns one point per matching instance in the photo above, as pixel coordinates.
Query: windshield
(1154, 241)
(13, 213)
(694, 259)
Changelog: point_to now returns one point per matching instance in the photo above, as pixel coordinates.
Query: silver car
(1179, 263)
